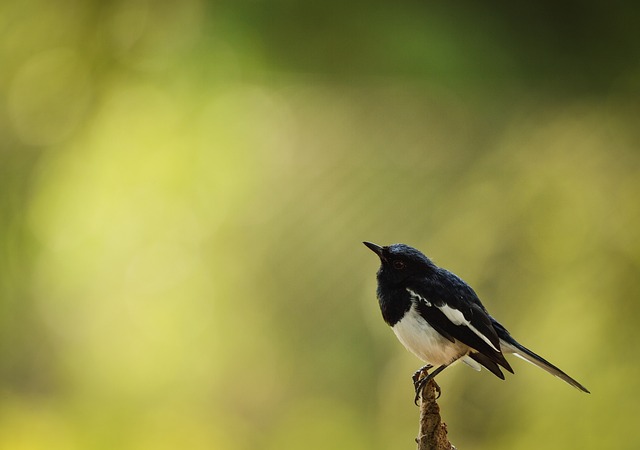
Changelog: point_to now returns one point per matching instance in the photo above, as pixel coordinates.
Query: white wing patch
(414, 295)
(457, 318)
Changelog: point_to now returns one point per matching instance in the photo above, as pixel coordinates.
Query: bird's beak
(375, 248)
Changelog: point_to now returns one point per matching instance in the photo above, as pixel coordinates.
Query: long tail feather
(512, 346)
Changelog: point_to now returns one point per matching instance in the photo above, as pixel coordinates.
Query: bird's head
(399, 262)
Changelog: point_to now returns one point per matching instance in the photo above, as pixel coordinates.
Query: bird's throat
(394, 303)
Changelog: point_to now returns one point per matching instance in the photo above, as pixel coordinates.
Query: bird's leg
(419, 385)
(416, 375)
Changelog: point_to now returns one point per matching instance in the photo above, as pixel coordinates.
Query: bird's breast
(424, 341)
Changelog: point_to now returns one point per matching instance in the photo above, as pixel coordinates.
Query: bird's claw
(420, 383)
(418, 392)
(416, 375)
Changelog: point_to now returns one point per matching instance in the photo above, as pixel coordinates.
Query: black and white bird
(440, 319)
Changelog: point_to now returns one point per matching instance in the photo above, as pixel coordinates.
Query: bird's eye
(397, 264)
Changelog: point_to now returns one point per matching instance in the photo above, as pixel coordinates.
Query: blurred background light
(185, 186)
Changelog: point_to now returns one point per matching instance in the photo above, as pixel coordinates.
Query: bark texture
(433, 432)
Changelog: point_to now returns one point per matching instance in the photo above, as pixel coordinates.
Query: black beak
(375, 248)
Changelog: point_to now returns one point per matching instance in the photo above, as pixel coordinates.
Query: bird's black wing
(453, 309)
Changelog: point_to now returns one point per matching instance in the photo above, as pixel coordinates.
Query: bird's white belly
(425, 342)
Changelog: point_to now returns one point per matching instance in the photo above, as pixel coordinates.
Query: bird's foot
(420, 382)
(416, 375)
(420, 378)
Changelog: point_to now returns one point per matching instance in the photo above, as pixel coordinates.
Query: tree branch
(433, 432)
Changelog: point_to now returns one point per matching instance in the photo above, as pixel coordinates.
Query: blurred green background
(184, 188)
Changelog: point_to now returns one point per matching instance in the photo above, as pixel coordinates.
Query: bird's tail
(509, 345)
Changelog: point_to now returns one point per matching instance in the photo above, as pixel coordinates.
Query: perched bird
(440, 319)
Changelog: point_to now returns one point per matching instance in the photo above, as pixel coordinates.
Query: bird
(440, 319)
